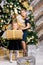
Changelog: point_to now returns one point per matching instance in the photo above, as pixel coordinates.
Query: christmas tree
(14, 6)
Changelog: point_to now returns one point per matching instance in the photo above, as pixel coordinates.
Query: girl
(13, 45)
(23, 19)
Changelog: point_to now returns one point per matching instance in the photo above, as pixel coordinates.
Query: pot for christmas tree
(31, 50)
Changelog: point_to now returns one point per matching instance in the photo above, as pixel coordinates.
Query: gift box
(26, 60)
(14, 34)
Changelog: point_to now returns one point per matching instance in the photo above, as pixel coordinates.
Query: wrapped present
(26, 60)
(14, 34)
(9, 34)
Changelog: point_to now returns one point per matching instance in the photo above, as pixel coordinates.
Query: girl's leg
(16, 54)
(11, 51)
(24, 48)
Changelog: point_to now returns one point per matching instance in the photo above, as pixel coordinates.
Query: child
(13, 43)
(23, 19)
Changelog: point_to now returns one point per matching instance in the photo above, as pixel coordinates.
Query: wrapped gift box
(26, 60)
(14, 34)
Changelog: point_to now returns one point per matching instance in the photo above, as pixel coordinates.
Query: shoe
(25, 54)
(11, 61)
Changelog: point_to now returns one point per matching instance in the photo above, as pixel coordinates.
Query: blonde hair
(14, 20)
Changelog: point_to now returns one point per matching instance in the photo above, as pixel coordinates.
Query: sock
(10, 55)
(16, 54)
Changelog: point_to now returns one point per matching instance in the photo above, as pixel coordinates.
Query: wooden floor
(5, 52)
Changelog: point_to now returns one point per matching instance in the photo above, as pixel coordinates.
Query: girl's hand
(28, 26)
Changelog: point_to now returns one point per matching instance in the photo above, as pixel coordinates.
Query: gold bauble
(1, 26)
(32, 37)
(19, 0)
(28, 39)
(6, 16)
(10, 6)
(25, 4)
(30, 8)
(2, 20)
(7, 11)
(11, 3)
(32, 19)
(15, 10)
(6, 26)
(29, 29)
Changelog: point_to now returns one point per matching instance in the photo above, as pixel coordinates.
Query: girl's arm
(28, 26)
